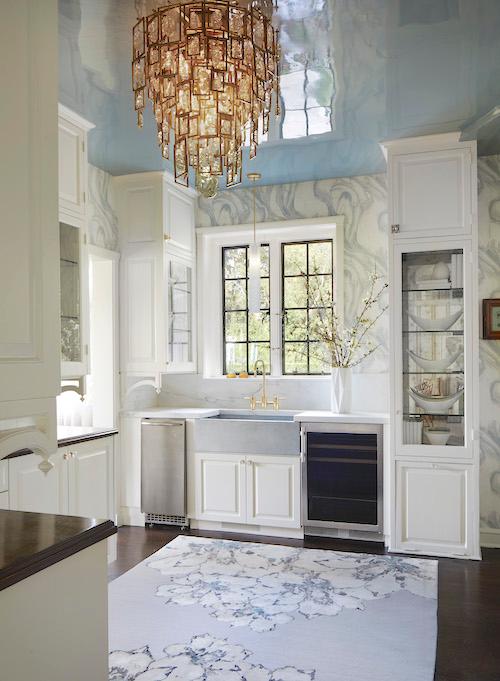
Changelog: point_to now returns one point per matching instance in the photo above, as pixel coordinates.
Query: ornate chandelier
(210, 70)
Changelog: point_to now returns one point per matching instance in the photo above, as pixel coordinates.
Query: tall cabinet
(73, 263)
(29, 280)
(434, 332)
(158, 330)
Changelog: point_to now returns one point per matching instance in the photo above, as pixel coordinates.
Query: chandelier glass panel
(210, 70)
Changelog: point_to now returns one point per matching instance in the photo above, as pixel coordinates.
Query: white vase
(340, 390)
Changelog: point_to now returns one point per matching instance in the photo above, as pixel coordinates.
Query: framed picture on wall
(491, 318)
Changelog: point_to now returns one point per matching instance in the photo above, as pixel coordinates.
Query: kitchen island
(53, 597)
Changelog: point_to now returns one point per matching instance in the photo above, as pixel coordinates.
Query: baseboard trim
(131, 515)
(256, 530)
(490, 538)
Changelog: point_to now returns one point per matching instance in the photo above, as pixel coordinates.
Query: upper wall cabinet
(73, 131)
(158, 275)
(29, 357)
(431, 186)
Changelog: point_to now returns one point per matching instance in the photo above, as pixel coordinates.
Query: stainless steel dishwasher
(163, 471)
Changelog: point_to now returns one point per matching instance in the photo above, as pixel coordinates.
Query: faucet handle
(276, 402)
(253, 402)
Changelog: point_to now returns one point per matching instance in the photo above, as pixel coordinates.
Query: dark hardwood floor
(468, 600)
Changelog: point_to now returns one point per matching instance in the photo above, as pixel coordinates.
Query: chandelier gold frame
(210, 69)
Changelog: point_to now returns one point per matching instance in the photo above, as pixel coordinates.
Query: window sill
(258, 379)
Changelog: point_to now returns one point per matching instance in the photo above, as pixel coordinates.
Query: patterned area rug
(218, 610)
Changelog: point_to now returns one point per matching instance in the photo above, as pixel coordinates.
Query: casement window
(301, 267)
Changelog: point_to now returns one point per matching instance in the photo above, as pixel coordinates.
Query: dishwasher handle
(157, 422)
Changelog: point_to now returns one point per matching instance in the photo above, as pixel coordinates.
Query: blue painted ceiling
(355, 72)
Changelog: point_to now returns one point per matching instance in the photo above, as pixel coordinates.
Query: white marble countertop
(301, 416)
(170, 413)
(331, 417)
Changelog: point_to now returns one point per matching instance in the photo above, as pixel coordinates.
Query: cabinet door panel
(431, 194)
(179, 219)
(32, 490)
(90, 476)
(273, 491)
(219, 487)
(142, 296)
(71, 167)
(4, 501)
(434, 505)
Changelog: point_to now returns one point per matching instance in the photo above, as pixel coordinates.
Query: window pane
(320, 324)
(235, 263)
(320, 257)
(307, 305)
(295, 292)
(236, 326)
(236, 357)
(259, 351)
(264, 258)
(258, 327)
(320, 291)
(318, 359)
(296, 358)
(294, 258)
(240, 326)
(235, 295)
(264, 294)
(296, 325)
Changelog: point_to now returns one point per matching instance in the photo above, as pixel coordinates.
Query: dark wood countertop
(31, 542)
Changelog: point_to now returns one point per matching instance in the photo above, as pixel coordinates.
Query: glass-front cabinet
(180, 314)
(433, 392)
(73, 302)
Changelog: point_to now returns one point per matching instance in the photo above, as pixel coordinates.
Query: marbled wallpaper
(363, 202)
(102, 220)
(489, 355)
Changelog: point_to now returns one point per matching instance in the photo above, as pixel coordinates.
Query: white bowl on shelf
(434, 365)
(442, 324)
(437, 436)
(435, 405)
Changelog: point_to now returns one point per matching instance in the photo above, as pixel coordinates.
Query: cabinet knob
(167, 237)
(395, 229)
(67, 456)
(242, 462)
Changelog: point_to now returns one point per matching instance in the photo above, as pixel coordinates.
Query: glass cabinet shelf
(432, 371)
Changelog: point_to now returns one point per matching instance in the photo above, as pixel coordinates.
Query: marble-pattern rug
(219, 610)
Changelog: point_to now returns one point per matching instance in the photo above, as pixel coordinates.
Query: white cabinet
(273, 491)
(73, 263)
(181, 310)
(80, 483)
(4, 501)
(157, 276)
(432, 185)
(220, 492)
(434, 347)
(436, 508)
(178, 217)
(90, 479)
(29, 279)
(254, 490)
(143, 315)
(73, 131)
(32, 490)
